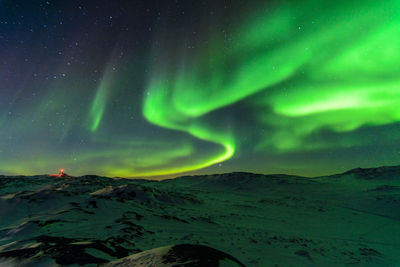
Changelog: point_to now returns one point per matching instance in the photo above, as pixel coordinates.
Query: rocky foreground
(237, 218)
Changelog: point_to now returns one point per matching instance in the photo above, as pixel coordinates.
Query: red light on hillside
(61, 171)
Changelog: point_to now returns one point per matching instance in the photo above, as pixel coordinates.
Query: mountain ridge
(358, 170)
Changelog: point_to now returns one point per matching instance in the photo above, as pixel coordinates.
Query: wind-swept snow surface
(261, 220)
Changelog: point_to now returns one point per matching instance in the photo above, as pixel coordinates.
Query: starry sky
(166, 88)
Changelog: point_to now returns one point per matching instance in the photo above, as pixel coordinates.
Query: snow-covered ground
(262, 220)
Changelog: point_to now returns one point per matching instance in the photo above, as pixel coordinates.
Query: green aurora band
(318, 65)
(300, 68)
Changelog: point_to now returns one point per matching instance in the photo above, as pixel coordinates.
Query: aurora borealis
(153, 88)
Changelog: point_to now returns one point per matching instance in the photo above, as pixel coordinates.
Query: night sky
(151, 88)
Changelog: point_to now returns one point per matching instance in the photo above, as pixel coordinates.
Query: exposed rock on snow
(143, 194)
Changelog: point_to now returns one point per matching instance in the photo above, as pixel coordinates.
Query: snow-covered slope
(261, 220)
(182, 254)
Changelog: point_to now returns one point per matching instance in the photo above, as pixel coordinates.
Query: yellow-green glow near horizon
(287, 81)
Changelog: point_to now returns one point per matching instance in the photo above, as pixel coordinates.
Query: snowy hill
(260, 220)
(183, 254)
